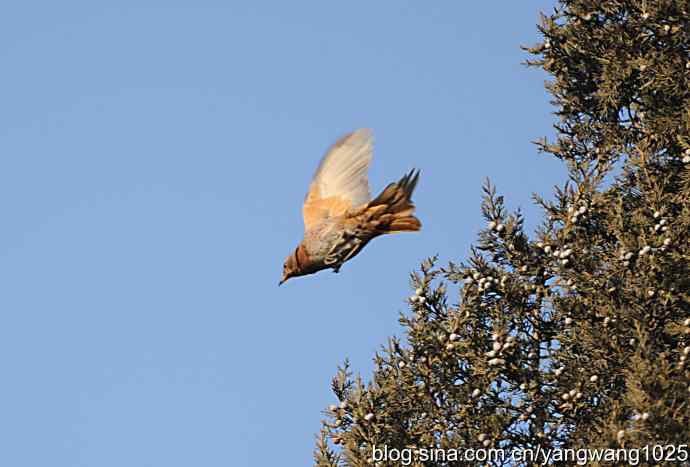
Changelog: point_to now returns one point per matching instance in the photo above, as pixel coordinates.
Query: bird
(340, 218)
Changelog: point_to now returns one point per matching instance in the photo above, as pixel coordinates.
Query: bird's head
(296, 264)
(290, 268)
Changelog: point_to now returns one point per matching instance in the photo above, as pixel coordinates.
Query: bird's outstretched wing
(340, 182)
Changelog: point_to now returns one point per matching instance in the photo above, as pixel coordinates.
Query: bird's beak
(283, 280)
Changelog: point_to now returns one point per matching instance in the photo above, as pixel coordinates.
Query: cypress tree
(576, 335)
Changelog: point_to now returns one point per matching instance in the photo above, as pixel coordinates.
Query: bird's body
(339, 216)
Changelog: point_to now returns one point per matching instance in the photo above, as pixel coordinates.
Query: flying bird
(340, 217)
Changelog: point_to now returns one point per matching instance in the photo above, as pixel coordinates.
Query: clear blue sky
(153, 161)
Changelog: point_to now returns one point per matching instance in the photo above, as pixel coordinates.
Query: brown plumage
(340, 217)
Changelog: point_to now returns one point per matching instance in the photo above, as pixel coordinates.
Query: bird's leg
(332, 255)
(350, 253)
(347, 246)
(355, 248)
(342, 240)
(343, 249)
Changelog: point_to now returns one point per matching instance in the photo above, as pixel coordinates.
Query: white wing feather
(343, 170)
(340, 182)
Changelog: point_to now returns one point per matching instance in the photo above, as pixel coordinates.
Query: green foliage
(578, 336)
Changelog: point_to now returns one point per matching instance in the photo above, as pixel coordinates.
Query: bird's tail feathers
(392, 211)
